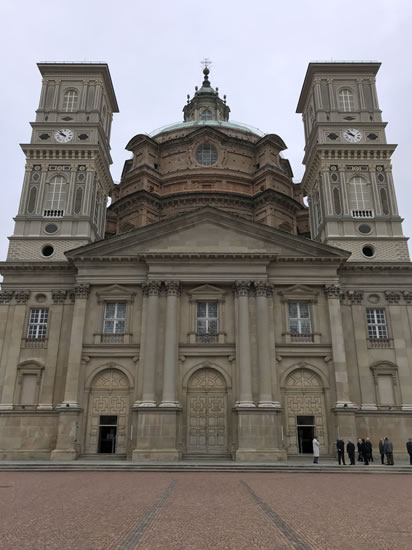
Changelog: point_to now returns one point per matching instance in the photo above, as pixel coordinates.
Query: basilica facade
(215, 309)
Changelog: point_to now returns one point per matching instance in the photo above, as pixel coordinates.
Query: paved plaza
(202, 511)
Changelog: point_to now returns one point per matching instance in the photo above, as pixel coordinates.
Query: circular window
(368, 251)
(47, 250)
(364, 228)
(51, 228)
(206, 154)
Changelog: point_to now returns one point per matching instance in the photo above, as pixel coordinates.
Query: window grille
(377, 327)
(207, 323)
(206, 154)
(299, 318)
(55, 197)
(360, 198)
(70, 101)
(206, 115)
(346, 103)
(114, 318)
(38, 323)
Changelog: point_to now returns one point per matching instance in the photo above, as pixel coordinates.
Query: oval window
(364, 228)
(47, 250)
(51, 228)
(206, 154)
(368, 251)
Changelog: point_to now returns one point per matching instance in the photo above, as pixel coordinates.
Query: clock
(352, 135)
(64, 135)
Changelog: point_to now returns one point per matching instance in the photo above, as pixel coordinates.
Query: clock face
(352, 135)
(63, 136)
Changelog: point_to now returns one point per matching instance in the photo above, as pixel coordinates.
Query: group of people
(365, 451)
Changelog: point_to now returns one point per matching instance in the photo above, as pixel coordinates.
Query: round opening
(47, 250)
(40, 298)
(368, 251)
(206, 154)
(51, 228)
(364, 228)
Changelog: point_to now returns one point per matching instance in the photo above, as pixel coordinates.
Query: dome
(219, 124)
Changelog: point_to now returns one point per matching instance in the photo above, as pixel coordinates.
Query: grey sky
(260, 51)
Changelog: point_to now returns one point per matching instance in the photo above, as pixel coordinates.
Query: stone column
(12, 355)
(71, 394)
(53, 343)
(152, 290)
(171, 343)
(333, 293)
(241, 291)
(263, 291)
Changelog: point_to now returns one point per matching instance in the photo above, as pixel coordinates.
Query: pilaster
(241, 292)
(170, 349)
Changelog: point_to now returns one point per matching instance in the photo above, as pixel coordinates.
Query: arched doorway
(305, 412)
(108, 414)
(207, 413)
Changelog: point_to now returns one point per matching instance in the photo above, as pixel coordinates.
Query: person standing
(340, 446)
(365, 454)
(388, 449)
(369, 449)
(350, 449)
(382, 452)
(360, 456)
(315, 445)
(409, 448)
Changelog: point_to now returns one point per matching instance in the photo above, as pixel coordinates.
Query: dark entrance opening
(306, 433)
(107, 434)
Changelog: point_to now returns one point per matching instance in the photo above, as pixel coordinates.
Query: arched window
(360, 198)
(206, 115)
(55, 197)
(346, 100)
(70, 101)
(384, 200)
(336, 201)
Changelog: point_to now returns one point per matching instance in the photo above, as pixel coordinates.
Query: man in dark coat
(388, 449)
(350, 449)
(360, 456)
(369, 449)
(365, 454)
(409, 448)
(382, 452)
(340, 445)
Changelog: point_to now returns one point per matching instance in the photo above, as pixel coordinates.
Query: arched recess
(108, 412)
(207, 415)
(305, 411)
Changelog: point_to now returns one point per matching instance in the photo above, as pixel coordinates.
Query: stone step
(201, 466)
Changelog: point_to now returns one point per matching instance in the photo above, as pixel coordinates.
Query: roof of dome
(214, 123)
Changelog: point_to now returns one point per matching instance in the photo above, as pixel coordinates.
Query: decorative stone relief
(333, 291)
(21, 296)
(392, 297)
(111, 379)
(354, 296)
(303, 378)
(59, 296)
(6, 296)
(207, 379)
(263, 288)
(407, 294)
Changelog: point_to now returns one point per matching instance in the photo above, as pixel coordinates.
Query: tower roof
(206, 103)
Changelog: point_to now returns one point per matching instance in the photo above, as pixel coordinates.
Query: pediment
(299, 292)
(207, 292)
(117, 292)
(208, 231)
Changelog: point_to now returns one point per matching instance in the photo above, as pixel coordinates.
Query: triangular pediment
(208, 231)
(116, 292)
(299, 292)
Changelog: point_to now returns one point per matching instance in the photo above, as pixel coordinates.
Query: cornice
(381, 267)
(6, 267)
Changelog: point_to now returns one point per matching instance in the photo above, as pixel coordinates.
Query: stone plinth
(156, 437)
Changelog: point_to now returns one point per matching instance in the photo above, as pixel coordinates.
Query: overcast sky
(260, 51)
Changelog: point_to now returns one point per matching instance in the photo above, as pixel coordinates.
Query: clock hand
(350, 134)
(62, 133)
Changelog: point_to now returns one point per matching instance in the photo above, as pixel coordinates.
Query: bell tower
(67, 179)
(348, 177)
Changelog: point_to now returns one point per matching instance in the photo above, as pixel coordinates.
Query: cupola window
(346, 103)
(206, 154)
(206, 115)
(70, 101)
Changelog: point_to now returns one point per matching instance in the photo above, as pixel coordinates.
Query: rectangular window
(38, 323)
(206, 318)
(299, 318)
(377, 327)
(114, 318)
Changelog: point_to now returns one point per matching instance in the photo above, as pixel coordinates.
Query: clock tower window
(70, 101)
(345, 98)
(55, 197)
(360, 198)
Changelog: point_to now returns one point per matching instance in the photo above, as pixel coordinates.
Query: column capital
(82, 290)
(333, 291)
(173, 287)
(21, 296)
(263, 288)
(392, 297)
(151, 288)
(6, 296)
(241, 288)
(59, 296)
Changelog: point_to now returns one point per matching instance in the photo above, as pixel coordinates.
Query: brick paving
(204, 511)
